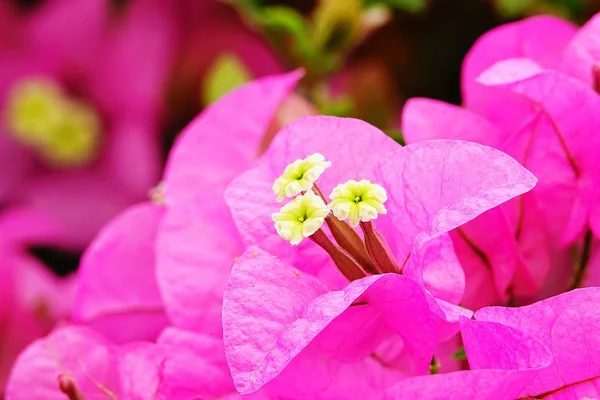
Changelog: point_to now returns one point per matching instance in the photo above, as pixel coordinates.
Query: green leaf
(397, 135)
(226, 73)
(413, 6)
(336, 24)
(514, 8)
(460, 355)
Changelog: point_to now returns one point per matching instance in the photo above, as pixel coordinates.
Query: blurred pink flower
(110, 72)
(32, 298)
(78, 363)
(118, 294)
(289, 312)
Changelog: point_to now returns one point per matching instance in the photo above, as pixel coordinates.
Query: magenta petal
(472, 385)
(272, 312)
(78, 352)
(426, 119)
(117, 279)
(503, 363)
(463, 180)
(582, 53)
(21, 162)
(133, 156)
(33, 300)
(68, 32)
(133, 67)
(195, 366)
(198, 240)
(442, 273)
(491, 345)
(567, 325)
(69, 197)
(562, 148)
(25, 226)
(541, 38)
(139, 369)
(215, 147)
(353, 146)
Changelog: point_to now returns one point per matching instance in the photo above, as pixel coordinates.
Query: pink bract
(32, 298)
(198, 240)
(117, 292)
(281, 314)
(567, 326)
(503, 363)
(525, 94)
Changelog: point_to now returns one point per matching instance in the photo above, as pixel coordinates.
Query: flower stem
(347, 238)
(378, 250)
(344, 261)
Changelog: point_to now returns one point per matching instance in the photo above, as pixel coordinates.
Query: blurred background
(94, 92)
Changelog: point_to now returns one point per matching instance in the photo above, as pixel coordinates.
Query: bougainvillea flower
(32, 298)
(541, 38)
(80, 100)
(551, 127)
(127, 245)
(567, 326)
(288, 314)
(198, 240)
(564, 146)
(551, 44)
(117, 292)
(503, 362)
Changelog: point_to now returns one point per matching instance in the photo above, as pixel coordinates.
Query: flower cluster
(329, 262)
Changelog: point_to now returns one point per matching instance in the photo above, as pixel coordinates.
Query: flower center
(64, 131)
(358, 202)
(299, 176)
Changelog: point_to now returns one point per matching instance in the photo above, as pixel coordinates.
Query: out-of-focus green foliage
(319, 42)
(571, 9)
(397, 135)
(460, 354)
(226, 73)
(413, 6)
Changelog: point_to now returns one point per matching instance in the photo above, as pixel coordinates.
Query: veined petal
(567, 325)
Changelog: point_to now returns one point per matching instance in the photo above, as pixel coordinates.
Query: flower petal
(436, 186)
(116, 276)
(511, 358)
(426, 119)
(541, 38)
(272, 312)
(76, 351)
(562, 146)
(582, 52)
(198, 240)
(132, 67)
(352, 146)
(195, 366)
(567, 325)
